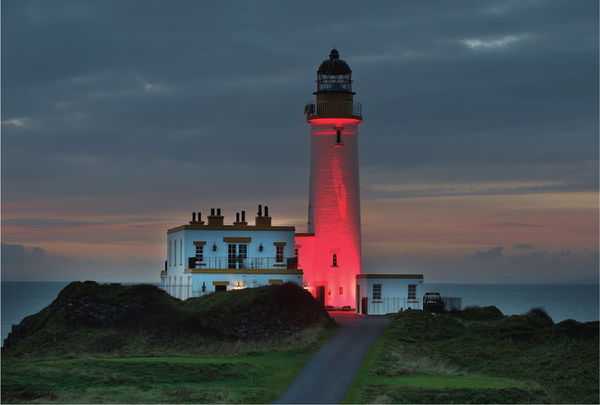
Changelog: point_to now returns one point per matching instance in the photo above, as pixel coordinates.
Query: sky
(478, 153)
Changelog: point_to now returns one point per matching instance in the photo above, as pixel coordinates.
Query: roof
(392, 275)
(334, 65)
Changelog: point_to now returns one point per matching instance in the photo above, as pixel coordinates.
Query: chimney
(263, 221)
(215, 220)
(241, 222)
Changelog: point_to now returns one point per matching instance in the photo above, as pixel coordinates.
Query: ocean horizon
(561, 301)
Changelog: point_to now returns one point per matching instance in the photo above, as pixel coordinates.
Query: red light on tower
(330, 253)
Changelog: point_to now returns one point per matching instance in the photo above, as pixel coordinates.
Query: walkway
(327, 376)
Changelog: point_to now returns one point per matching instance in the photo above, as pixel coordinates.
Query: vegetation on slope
(92, 318)
(136, 344)
(480, 356)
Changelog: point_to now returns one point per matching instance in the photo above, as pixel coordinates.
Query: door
(364, 309)
(237, 253)
(321, 294)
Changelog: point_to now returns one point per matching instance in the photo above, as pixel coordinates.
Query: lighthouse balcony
(243, 263)
(333, 109)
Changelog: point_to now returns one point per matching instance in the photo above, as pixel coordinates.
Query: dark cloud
(125, 96)
(15, 255)
(523, 246)
(490, 254)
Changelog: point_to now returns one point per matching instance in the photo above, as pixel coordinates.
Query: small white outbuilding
(380, 294)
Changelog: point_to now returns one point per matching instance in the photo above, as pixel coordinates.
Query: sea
(560, 301)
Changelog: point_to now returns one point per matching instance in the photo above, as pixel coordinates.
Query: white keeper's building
(208, 257)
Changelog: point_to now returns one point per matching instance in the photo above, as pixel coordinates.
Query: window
(199, 253)
(174, 252)
(341, 290)
(334, 261)
(279, 254)
(412, 291)
(376, 291)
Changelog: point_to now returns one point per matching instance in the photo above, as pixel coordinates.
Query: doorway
(237, 253)
(321, 294)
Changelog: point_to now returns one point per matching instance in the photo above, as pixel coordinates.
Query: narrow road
(327, 376)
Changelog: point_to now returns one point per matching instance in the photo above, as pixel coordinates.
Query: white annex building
(207, 257)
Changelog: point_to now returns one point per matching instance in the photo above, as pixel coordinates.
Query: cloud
(523, 246)
(16, 255)
(515, 225)
(492, 43)
(490, 254)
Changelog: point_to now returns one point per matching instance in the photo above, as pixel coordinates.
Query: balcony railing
(333, 108)
(241, 263)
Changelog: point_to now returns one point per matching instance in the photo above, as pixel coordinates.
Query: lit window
(334, 261)
(376, 291)
(412, 291)
(279, 254)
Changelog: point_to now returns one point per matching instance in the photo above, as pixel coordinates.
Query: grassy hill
(136, 344)
(92, 318)
(480, 356)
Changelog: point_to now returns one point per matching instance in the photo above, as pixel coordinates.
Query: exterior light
(260, 247)
(214, 247)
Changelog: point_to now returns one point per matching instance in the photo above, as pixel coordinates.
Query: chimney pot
(193, 217)
(243, 216)
(237, 217)
(219, 211)
(266, 211)
(259, 210)
(212, 211)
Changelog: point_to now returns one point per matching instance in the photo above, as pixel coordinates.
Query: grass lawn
(422, 358)
(246, 378)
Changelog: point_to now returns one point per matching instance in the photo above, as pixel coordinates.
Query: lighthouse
(330, 251)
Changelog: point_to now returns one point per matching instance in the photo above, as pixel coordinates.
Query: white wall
(394, 294)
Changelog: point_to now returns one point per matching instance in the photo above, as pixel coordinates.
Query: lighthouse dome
(334, 65)
(334, 75)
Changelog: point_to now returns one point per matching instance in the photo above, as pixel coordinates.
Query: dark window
(199, 253)
(412, 291)
(376, 291)
(220, 288)
(341, 290)
(231, 256)
(334, 261)
(279, 254)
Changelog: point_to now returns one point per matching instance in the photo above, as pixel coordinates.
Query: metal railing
(241, 263)
(334, 108)
(384, 306)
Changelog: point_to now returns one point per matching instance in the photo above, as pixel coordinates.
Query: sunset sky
(479, 149)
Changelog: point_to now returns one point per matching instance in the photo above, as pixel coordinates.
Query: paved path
(327, 376)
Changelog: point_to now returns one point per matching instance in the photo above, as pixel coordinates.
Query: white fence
(391, 305)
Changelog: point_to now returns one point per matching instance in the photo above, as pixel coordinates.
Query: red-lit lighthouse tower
(330, 253)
